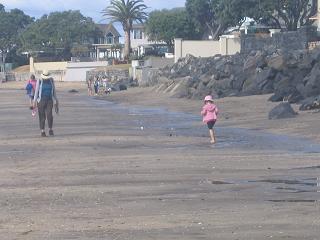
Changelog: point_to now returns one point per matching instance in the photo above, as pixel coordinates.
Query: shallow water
(288, 189)
(185, 124)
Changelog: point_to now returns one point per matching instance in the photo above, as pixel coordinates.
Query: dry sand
(102, 177)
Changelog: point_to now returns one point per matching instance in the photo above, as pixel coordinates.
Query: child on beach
(31, 87)
(209, 113)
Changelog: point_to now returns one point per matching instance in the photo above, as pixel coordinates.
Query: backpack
(29, 88)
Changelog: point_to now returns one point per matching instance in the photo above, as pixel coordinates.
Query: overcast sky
(89, 8)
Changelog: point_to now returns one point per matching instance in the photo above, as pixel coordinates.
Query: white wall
(78, 71)
(206, 48)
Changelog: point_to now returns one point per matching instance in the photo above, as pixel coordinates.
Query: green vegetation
(61, 34)
(69, 33)
(165, 25)
(293, 13)
(126, 12)
(215, 16)
(12, 24)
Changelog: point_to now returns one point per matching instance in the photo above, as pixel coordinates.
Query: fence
(11, 76)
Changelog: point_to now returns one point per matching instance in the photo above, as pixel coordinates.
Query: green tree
(126, 12)
(12, 24)
(201, 12)
(165, 25)
(292, 13)
(215, 16)
(58, 32)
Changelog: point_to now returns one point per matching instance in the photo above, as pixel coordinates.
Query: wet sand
(104, 177)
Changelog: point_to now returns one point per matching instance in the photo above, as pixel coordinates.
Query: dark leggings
(45, 112)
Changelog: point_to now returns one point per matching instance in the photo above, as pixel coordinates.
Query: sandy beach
(138, 165)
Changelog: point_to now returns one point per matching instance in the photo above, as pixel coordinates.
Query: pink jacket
(33, 83)
(209, 112)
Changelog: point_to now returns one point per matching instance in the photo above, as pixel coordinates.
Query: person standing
(96, 86)
(45, 98)
(209, 113)
(89, 85)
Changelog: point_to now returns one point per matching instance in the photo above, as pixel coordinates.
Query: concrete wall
(66, 71)
(78, 71)
(206, 48)
(158, 62)
(50, 66)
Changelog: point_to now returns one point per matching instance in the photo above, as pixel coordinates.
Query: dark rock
(119, 87)
(291, 75)
(73, 91)
(293, 58)
(181, 87)
(283, 110)
(310, 103)
(200, 92)
(255, 60)
(122, 87)
(284, 89)
(276, 62)
(260, 83)
(311, 84)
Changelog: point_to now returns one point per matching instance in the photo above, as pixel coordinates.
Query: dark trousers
(45, 112)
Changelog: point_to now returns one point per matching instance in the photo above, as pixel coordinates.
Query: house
(108, 46)
(317, 16)
(140, 43)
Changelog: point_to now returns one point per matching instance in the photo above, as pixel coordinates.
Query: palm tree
(126, 12)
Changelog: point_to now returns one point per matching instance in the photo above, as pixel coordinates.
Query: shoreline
(248, 112)
(110, 178)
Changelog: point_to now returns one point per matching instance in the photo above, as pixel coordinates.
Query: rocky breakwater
(293, 76)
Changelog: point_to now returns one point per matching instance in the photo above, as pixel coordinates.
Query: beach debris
(283, 110)
(73, 91)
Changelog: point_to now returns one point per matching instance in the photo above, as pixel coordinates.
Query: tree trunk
(127, 45)
(217, 32)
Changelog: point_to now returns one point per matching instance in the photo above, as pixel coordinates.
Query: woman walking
(45, 98)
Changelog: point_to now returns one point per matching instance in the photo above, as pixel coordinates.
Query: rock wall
(290, 75)
(296, 40)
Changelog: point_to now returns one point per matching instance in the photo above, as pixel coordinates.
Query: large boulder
(283, 110)
(181, 87)
(311, 84)
(285, 89)
(310, 103)
(254, 60)
(260, 83)
(150, 77)
(276, 61)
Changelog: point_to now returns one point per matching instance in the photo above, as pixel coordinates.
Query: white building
(139, 40)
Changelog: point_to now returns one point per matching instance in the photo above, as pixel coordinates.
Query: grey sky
(93, 8)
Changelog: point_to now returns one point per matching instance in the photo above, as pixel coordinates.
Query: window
(110, 38)
(137, 34)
